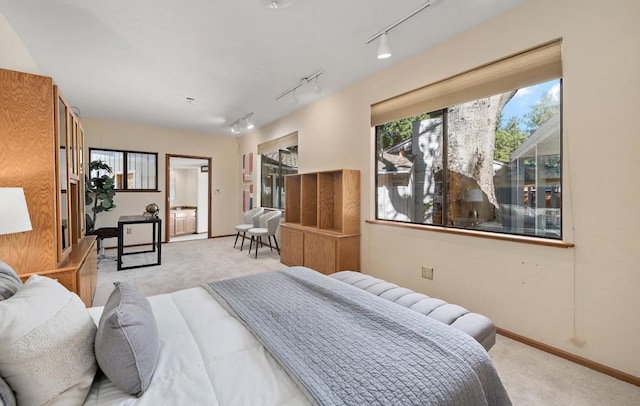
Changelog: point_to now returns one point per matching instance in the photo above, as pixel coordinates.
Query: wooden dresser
(322, 221)
(42, 151)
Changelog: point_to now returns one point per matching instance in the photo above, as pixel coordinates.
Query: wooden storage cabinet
(322, 221)
(80, 272)
(42, 152)
(182, 222)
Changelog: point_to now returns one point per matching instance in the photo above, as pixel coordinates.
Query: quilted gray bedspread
(344, 346)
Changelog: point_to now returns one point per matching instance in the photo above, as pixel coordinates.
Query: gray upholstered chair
(269, 224)
(251, 219)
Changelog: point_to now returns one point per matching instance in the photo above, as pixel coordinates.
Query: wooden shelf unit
(322, 221)
(42, 148)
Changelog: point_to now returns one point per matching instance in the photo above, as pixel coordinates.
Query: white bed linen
(206, 357)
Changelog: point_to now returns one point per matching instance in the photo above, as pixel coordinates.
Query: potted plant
(99, 189)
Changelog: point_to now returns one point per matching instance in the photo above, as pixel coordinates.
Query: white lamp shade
(14, 215)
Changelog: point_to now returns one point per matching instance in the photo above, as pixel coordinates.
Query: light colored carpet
(532, 377)
(185, 264)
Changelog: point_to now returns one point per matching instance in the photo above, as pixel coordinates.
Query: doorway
(187, 197)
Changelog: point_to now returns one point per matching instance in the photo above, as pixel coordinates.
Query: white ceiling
(139, 60)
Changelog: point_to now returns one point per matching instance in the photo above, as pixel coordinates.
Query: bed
(292, 337)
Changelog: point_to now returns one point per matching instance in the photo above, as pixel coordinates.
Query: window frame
(530, 67)
(125, 167)
(444, 112)
(281, 152)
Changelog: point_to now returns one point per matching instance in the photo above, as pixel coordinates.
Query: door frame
(167, 191)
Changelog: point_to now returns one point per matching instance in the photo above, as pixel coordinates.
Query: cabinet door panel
(292, 247)
(348, 254)
(320, 253)
(181, 225)
(191, 224)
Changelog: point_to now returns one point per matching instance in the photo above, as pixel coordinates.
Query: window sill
(474, 233)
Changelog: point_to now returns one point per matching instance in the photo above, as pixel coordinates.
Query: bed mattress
(220, 362)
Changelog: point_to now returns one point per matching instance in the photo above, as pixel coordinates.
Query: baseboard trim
(615, 373)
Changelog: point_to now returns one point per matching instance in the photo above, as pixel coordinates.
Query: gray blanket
(344, 346)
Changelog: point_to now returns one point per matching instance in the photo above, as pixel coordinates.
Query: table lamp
(14, 215)
(474, 196)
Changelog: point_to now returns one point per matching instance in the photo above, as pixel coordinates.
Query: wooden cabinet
(80, 272)
(182, 221)
(322, 221)
(42, 141)
(172, 223)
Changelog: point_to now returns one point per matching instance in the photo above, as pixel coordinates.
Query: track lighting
(235, 128)
(247, 124)
(316, 86)
(311, 80)
(276, 4)
(383, 50)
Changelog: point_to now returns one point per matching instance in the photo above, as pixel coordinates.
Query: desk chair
(101, 233)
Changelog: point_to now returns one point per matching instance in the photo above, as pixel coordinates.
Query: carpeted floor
(532, 377)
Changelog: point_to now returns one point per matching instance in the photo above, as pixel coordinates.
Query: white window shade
(514, 72)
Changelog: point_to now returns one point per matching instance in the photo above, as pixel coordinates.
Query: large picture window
(133, 170)
(492, 163)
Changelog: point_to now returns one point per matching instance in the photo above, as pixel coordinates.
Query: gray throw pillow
(127, 340)
(6, 394)
(9, 281)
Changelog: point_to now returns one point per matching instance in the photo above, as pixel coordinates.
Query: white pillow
(46, 344)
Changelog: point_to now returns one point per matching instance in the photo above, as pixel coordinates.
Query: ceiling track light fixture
(384, 51)
(276, 4)
(246, 122)
(311, 80)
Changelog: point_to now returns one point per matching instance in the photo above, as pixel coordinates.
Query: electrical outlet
(427, 272)
(129, 230)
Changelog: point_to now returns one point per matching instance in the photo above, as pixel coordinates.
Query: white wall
(583, 300)
(186, 186)
(13, 54)
(226, 205)
(203, 201)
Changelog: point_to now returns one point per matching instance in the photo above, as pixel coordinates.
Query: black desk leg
(153, 237)
(159, 242)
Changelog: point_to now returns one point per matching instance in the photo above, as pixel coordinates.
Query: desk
(156, 226)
